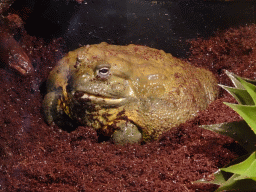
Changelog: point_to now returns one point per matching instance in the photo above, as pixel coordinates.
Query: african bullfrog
(130, 93)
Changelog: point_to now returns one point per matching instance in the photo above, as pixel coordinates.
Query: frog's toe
(128, 133)
(49, 107)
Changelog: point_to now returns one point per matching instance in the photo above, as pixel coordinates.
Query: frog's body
(127, 92)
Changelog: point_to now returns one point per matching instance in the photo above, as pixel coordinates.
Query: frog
(127, 93)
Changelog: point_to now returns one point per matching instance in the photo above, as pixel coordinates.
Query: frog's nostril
(118, 88)
(78, 94)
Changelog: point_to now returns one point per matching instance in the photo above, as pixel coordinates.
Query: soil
(37, 157)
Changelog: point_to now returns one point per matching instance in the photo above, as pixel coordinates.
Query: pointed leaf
(241, 95)
(247, 112)
(228, 184)
(239, 131)
(250, 88)
(238, 185)
(250, 81)
(234, 80)
(241, 177)
(246, 168)
(219, 176)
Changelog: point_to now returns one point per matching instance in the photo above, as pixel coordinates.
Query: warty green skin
(129, 93)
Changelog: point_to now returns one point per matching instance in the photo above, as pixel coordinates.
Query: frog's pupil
(103, 71)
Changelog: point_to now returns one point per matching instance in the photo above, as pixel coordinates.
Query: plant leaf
(239, 131)
(243, 174)
(247, 112)
(250, 88)
(241, 177)
(250, 81)
(247, 168)
(238, 185)
(241, 95)
(220, 177)
(232, 183)
(234, 80)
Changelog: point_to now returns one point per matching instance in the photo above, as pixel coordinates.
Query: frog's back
(169, 91)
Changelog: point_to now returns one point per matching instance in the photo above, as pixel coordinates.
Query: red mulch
(37, 157)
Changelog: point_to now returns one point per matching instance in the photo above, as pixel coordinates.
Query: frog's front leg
(128, 132)
(54, 113)
(50, 107)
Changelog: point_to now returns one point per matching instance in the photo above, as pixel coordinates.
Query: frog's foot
(128, 133)
(54, 114)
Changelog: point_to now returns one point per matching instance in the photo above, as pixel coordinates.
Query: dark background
(160, 24)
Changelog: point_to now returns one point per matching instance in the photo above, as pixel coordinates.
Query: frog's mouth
(99, 99)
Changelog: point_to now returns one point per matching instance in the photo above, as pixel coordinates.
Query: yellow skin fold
(130, 93)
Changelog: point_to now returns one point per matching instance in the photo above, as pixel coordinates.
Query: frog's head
(101, 82)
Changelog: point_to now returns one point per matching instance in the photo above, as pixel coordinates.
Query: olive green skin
(131, 93)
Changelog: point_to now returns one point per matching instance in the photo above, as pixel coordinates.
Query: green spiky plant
(239, 175)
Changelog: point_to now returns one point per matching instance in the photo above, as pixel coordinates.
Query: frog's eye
(103, 72)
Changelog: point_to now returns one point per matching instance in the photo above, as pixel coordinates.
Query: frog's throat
(102, 99)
